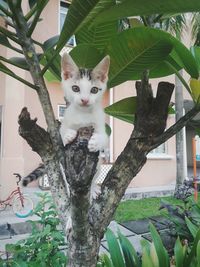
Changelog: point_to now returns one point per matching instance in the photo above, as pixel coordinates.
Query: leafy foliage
(185, 218)
(43, 246)
(128, 8)
(154, 254)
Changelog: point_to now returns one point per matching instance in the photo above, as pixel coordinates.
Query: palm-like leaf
(79, 14)
(196, 28)
(98, 35)
(134, 50)
(129, 8)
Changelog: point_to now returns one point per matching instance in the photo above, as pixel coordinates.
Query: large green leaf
(55, 65)
(192, 253)
(130, 255)
(146, 253)
(195, 50)
(134, 50)
(86, 56)
(114, 249)
(160, 249)
(123, 109)
(79, 14)
(129, 8)
(98, 35)
(179, 253)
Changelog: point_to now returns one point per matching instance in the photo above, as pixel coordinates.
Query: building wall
(17, 156)
(159, 169)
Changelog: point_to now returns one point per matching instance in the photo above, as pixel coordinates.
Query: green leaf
(198, 253)
(97, 36)
(86, 12)
(19, 62)
(50, 77)
(51, 42)
(179, 253)
(32, 3)
(55, 65)
(106, 260)
(134, 50)
(4, 40)
(3, 8)
(192, 227)
(123, 109)
(130, 255)
(195, 50)
(108, 130)
(128, 8)
(114, 249)
(160, 249)
(81, 54)
(193, 250)
(146, 258)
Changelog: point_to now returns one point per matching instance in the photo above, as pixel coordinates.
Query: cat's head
(83, 87)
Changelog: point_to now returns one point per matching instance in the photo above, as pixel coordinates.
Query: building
(15, 153)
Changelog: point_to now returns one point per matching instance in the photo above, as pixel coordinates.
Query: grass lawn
(143, 208)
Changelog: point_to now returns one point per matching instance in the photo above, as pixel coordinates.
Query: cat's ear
(101, 70)
(68, 66)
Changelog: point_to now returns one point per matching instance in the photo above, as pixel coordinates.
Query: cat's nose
(84, 101)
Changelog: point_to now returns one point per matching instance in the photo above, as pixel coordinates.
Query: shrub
(154, 254)
(43, 246)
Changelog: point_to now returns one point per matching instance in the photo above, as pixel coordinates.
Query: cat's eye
(75, 88)
(94, 90)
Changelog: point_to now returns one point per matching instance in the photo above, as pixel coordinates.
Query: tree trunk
(180, 170)
(71, 190)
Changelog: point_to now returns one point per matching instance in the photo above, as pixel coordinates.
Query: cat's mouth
(84, 104)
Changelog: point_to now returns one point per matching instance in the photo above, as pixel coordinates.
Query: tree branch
(156, 141)
(10, 35)
(149, 124)
(5, 70)
(40, 141)
(40, 6)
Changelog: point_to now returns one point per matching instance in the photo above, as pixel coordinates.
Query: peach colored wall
(17, 156)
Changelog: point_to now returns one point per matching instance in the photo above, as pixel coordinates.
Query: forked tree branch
(40, 142)
(148, 124)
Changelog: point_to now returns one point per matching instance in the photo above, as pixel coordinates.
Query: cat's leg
(95, 187)
(68, 135)
(98, 141)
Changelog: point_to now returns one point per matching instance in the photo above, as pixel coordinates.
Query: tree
(149, 53)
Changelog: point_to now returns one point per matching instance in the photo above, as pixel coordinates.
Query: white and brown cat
(84, 90)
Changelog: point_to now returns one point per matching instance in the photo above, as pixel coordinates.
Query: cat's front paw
(96, 143)
(69, 136)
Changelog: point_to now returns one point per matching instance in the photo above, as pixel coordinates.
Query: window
(159, 152)
(64, 6)
(61, 110)
(160, 149)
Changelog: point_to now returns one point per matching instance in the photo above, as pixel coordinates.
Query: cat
(84, 90)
